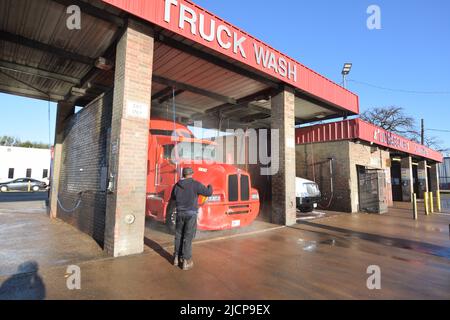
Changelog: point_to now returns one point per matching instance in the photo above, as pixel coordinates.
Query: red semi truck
(234, 203)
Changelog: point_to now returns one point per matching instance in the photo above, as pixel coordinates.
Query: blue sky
(411, 52)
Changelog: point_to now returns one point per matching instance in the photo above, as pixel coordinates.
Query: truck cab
(307, 193)
(173, 147)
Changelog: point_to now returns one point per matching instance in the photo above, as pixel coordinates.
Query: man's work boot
(176, 261)
(188, 264)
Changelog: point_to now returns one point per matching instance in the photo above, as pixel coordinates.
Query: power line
(400, 90)
(438, 130)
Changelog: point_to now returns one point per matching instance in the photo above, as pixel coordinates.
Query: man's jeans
(186, 229)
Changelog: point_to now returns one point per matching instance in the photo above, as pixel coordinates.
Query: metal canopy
(41, 58)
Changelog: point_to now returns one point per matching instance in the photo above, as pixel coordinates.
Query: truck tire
(171, 218)
(306, 209)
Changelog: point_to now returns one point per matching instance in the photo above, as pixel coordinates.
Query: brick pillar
(422, 174)
(125, 208)
(64, 111)
(407, 179)
(283, 181)
(434, 178)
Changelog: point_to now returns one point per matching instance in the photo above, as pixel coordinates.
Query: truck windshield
(196, 151)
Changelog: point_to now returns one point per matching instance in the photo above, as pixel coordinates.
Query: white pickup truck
(308, 194)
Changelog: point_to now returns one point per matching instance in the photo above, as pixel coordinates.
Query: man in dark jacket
(185, 195)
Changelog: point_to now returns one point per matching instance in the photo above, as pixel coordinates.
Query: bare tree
(394, 119)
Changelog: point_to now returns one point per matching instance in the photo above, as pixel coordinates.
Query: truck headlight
(255, 196)
(215, 198)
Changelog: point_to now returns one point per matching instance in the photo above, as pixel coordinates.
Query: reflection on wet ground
(348, 239)
(157, 233)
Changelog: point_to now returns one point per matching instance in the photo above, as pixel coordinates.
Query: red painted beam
(195, 23)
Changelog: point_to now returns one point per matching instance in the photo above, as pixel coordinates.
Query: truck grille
(237, 210)
(245, 188)
(233, 193)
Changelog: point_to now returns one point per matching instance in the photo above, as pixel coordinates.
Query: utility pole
(422, 132)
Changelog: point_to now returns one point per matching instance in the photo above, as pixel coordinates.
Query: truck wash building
(361, 167)
(133, 61)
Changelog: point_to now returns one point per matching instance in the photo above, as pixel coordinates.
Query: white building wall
(21, 159)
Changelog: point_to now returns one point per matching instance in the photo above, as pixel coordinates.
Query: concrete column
(64, 111)
(125, 208)
(434, 178)
(422, 174)
(407, 179)
(283, 181)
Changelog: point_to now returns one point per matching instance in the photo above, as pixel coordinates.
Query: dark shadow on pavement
(158, 249)
(23, 196)
(26, 284)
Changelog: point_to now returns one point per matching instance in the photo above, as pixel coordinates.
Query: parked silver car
(23, 184)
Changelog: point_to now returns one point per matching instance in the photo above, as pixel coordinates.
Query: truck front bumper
(224, 216)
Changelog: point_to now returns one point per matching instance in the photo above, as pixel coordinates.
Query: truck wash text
(220, 33)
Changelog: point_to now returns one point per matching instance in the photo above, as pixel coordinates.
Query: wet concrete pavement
(319, 259)
(30, 240)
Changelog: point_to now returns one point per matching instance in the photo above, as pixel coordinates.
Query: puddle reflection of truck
(234, 202)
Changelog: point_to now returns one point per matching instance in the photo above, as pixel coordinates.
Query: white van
(308, 194)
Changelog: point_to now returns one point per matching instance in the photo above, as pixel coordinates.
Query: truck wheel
(307, 209)
(171, 218)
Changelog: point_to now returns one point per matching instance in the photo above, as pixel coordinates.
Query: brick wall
(125, 208)
(312, 163)
(84, 167)
(347, 156)
(283, 182)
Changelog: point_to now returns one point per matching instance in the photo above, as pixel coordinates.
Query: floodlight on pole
(345, 71)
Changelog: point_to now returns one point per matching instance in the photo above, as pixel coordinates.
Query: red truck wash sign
(358, 129)
(193, 22)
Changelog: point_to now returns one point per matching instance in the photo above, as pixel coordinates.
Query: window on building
(11, 173)
(45, 173)
(28, 173)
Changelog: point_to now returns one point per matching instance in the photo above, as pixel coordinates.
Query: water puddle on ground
(352, 239)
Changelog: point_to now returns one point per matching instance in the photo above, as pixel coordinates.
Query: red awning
(358, 129)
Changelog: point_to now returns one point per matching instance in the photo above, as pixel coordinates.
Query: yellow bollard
(438, 200)
(425, 201)
(415, 206)
(431, 203)
(29, 186)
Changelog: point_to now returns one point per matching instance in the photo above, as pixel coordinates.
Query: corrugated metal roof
(44, 21)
